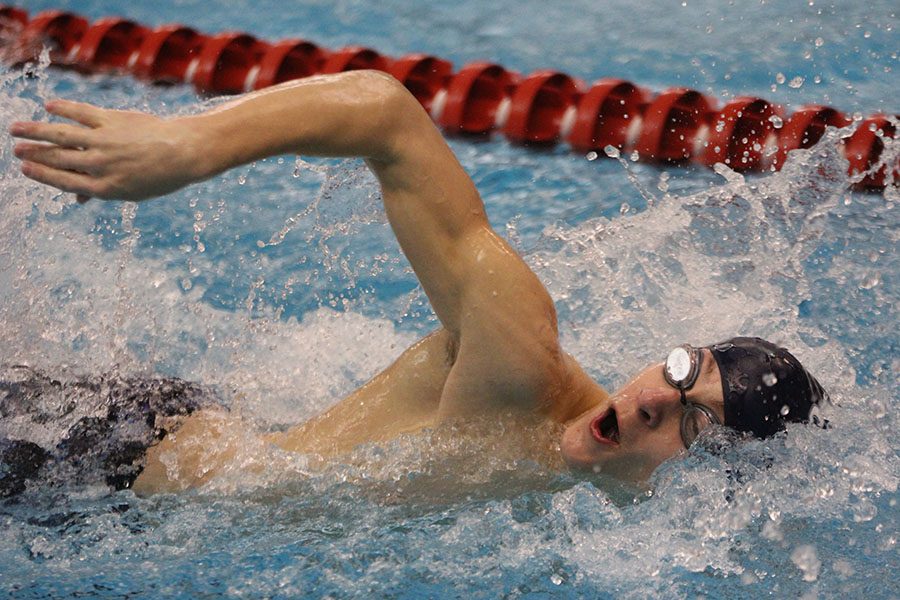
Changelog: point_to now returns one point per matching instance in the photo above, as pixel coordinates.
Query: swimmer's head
(747, 384)
(764, 386)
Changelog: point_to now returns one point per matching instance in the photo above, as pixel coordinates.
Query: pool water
(280, 285)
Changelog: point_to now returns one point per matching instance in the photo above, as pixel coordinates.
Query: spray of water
(277, 330)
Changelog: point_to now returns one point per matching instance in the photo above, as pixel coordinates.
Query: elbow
(400, 114)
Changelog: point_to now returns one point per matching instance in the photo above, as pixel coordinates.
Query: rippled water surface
(279, 287)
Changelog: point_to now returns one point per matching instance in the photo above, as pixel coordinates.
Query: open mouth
(605, 428)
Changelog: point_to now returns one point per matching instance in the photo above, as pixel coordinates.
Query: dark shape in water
(112, 420)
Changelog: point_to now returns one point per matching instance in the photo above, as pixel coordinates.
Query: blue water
(280, 284)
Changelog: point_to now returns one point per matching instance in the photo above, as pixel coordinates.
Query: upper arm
(485, 295)
(439, 219)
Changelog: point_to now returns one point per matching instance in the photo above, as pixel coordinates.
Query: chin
(576, 451)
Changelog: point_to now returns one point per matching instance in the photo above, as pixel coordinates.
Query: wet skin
(497, 354)
(647, 413)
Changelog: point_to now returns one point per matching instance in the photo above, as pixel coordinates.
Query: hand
(111, 154)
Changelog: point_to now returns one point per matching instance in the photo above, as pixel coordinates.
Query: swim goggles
(681, 371)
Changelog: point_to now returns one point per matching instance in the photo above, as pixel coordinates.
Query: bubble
(780, 78)
(843, 568)
(770, 379)
(663, 183)
(871, 281)
(635, 156)
(819, 42)
(804, 556)
(591, 155)
(796, 82)
(611, 151)
(864, 511)
(776, 121)
(556, 579)
(785, 409)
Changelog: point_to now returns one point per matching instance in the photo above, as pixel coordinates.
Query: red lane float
(110, 44)
(605, 113)
(287, 60)
(12, 19)
(354, 58)
(738, 134)
(473, 97)
(545, 107)
(537, 107)
(671, 123)
(58, 30)
(166, 53)
(227, 62)
(424, 76)
(863, 150)
(806, 127)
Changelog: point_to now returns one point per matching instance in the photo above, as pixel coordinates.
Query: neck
(580, 394)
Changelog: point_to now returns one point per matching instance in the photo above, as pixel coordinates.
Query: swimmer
(497, 354)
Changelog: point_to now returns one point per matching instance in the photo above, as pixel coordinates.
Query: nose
(654, 404)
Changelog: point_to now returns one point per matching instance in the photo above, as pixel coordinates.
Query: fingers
(69, 136)
(67, 181)
(86, 114)
(55, 156)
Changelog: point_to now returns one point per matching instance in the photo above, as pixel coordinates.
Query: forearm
(134, 156)
(351, 114)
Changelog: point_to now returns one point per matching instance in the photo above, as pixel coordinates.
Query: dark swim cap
(764, 386)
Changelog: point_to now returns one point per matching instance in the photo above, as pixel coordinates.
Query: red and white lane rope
(543, 108)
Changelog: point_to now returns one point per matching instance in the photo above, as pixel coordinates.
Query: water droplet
(780, 78)
(663, 183)
(612, 152)
(843, 568)
(796, 82)
(725, 347)
(769, 379)
(805, 558)
(785, 409)
(776, 121)
(556, 579)
(591, 155)
(871, 281)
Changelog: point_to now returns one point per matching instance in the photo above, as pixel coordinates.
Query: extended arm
(501, 317)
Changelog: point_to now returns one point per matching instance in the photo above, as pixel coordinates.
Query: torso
(406, 397)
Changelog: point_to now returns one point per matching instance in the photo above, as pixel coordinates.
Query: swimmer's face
(639, 428)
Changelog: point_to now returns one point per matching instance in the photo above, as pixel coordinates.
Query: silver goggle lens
(679, 365)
